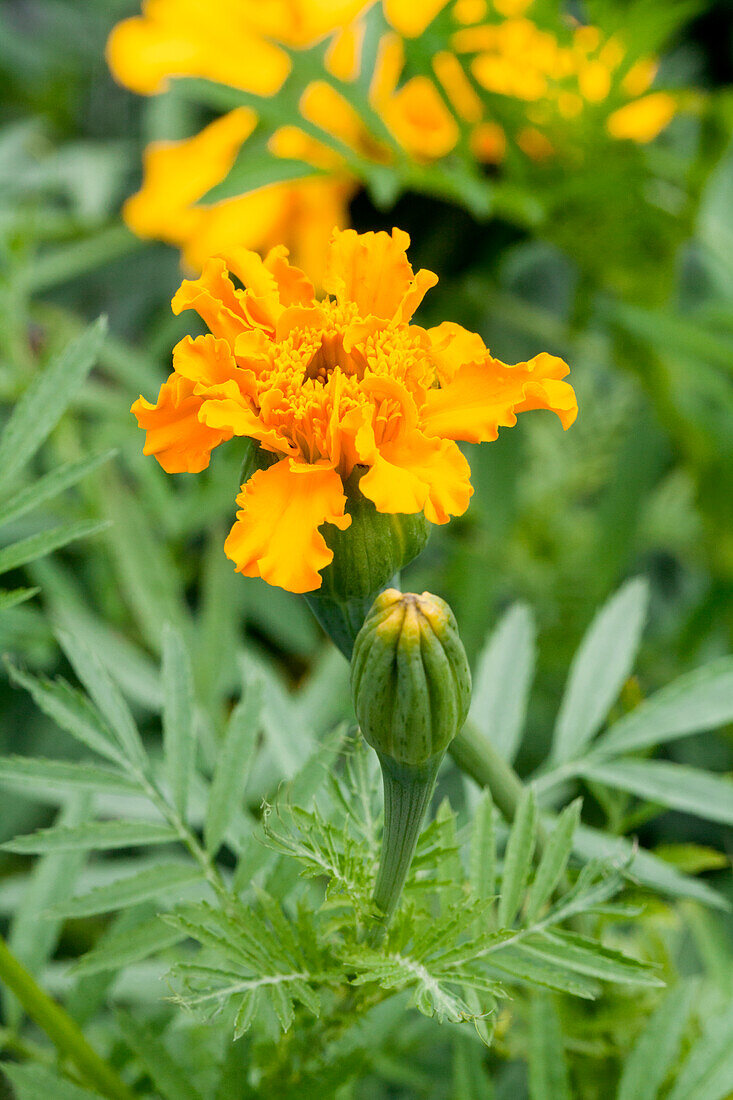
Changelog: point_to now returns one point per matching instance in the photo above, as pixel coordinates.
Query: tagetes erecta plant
(329, 386)
(497, 81)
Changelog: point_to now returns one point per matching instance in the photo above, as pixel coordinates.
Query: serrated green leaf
(69, 709)
(600, 667)
(43, 403)
(92, 835)
(33, 1082)
(518, 964)
(30, 773)
(700, 700)
(657, 1047)
(128, 946)
(503, 678)
(179, 735)
(690, 790)
(483, 847)
(555, 856)
(152, 882)
(548, 1071)
(36, 546)
(518, 858)
(233, 765)
(50, 485)
(590, 958)
(105, 695)
(171, 1080)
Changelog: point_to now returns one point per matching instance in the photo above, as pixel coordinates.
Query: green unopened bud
(411, 687)
(410, 677)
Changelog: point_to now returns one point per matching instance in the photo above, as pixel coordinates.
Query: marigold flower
(331, 386)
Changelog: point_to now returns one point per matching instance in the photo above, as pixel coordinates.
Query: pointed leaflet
(129, 945)
(548, 1072)
(92, 835)
(701, 700)
(483, 847)
(69, 709)
(518, 858)
(707, 1073)
(233, 765)
(35, 776)
(599, 669)
(50, 485)
(554, 859)
(106, 695)
(152, 882)
(43, 403)
(503, 678)
(690, 790)
(179, 735)
(36, 546)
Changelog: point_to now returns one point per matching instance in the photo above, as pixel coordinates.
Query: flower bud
(410, 678)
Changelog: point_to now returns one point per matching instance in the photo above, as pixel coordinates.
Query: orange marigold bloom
(329, 386)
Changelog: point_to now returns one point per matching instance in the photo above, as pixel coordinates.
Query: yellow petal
(415, 474)
(215, 299)
(643, 119)
(419, 119)
(179, 441)
(486, 394)
(276, 534)
(177, 174)
(372, 270)
(190, 38)
(453, 345)
(411, 17)
(206, 361)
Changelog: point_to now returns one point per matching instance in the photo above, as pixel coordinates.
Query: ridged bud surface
(410, 679)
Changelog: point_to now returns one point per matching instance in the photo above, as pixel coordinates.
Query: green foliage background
(639, 300)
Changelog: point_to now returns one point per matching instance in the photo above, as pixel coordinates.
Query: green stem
(407, 792)
(61, 1029)
(474, 754)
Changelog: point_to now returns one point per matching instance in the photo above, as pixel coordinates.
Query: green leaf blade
(600, 667)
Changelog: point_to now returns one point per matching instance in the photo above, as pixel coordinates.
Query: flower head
(330, 386)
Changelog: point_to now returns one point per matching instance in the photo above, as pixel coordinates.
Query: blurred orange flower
(329, 385)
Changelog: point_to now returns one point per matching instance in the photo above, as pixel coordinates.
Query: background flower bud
(410, 679)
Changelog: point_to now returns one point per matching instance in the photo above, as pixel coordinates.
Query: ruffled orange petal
(215, 299)
(453, 345)
(372, 270)
(206, 362)
(179, 441)
(485, 395)
(415, 474)
(224, 409)
(276, 534)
